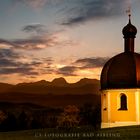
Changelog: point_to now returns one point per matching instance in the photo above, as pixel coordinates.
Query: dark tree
(22, 121)
(9, 123)
(90, 115)
(35, 124)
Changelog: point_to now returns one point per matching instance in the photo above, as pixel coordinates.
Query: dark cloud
(38, 41)
(84, 10)
(74, 20)
(18, 70)
(32, 43)
(34, 28)
(7, 63)
(92, 62)
(33, 3)
(8, 43)
(8, 53)
(38, 4)
(82, 64)
(10, 63)
(67, 70)
(8, 66)
(7, 57)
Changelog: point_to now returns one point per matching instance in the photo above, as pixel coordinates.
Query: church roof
(121, 71)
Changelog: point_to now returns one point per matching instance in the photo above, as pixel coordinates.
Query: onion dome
(123, 70)
(129, 30)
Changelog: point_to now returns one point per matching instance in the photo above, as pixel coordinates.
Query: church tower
(120, 85)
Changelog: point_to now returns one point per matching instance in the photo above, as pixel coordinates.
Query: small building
(120, 85)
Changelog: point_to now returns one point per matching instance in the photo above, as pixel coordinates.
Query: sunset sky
(47, 39)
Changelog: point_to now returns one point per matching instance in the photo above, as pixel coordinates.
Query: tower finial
(129, 13)
(129, 32)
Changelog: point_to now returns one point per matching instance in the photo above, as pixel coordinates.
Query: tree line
(67, 117)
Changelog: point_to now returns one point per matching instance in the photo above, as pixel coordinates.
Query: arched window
(123, 102)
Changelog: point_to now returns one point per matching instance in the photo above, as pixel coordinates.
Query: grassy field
(120, 133)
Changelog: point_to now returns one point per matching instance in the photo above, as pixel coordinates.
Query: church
(120, 85)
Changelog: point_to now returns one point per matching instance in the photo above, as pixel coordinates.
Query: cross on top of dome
(129, 13)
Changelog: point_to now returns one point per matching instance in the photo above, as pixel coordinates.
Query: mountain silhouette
(55, 93)
(58, 86)
(59, 82)
(86, 81)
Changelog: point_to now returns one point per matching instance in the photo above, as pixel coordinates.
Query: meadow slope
(120, 133)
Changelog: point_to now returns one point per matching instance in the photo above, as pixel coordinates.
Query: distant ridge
(86, 81)
(58, 86)
(56, 93)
